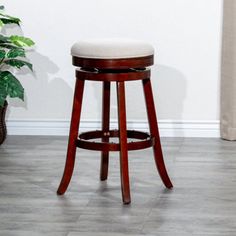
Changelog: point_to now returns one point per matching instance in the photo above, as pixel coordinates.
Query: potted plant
(12, 57)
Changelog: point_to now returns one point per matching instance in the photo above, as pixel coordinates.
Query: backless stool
(106, 61)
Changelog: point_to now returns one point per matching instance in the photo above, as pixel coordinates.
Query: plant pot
(3, 128)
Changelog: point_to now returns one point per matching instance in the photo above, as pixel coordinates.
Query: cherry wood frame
(117, 64)
(118, 71)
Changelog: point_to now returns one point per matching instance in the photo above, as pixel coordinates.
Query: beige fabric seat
(111, 48)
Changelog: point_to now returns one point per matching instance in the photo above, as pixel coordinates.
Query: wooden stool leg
(124, 167)
(105, 129)
(74, 126)
(155, 133)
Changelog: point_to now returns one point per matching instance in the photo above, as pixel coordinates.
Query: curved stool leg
(124, 167)
(74, 126)
(155, 133)
(105, 128)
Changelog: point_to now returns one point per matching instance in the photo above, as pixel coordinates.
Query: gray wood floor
(203, 201)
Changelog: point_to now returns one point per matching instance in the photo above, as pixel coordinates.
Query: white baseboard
(168, 128)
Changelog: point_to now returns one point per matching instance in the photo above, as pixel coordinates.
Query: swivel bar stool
(106, 61)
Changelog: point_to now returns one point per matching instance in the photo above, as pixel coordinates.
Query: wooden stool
(107, 61)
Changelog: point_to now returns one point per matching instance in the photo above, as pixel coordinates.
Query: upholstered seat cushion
(111, 48)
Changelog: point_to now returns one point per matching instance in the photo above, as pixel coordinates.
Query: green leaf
(9, 17)
(18, 63)
(16, 52)
(10, 21)
(21, 41)
(9, 46)
(2, 54)
(4, 39)
(12, 85)
(1, 23)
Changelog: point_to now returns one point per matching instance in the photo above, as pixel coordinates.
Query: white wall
(185, 33)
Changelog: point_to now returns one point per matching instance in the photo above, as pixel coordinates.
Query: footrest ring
(84, 140)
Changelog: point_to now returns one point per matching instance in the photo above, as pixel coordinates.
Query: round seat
(112, 54)
(111, 48)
